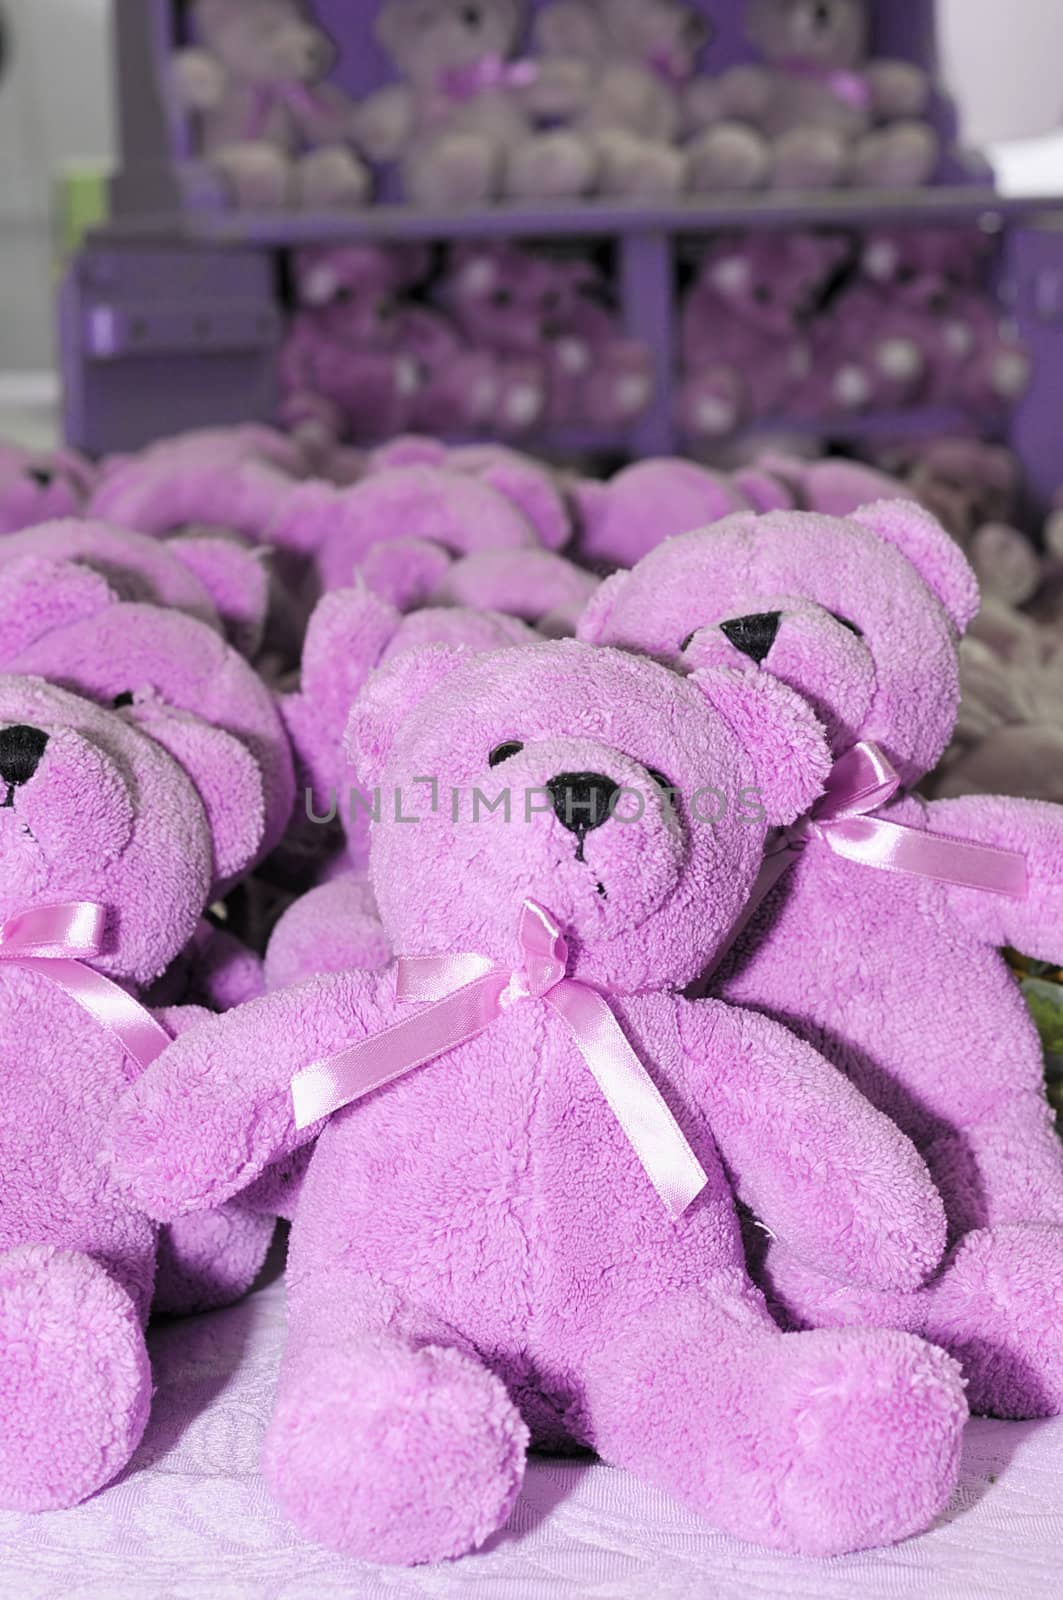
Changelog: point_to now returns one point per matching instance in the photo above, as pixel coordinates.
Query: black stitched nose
(582, 801)
(21, 749)
(754, 636)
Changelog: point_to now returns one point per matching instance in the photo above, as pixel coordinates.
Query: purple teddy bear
(889, 903)
(499, 1248)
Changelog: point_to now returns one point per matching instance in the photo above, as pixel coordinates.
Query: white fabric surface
(192, 1520)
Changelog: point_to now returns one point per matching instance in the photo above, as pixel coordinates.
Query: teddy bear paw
(868, 1427)
(76, 1384)
(394, 1454)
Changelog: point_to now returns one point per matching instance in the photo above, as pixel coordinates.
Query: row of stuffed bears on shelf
(611, 101)
(703, 1014)
(500, 339)
(824, 325)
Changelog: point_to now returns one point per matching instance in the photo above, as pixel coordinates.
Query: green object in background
(83, 203)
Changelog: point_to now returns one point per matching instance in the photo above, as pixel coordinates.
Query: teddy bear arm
(561, 89)
(898, 89)
(199, 79)
(215, 1110)
(328, 115)
(743, 94)
(829, 1175)
(1034, 829)
(384, 123)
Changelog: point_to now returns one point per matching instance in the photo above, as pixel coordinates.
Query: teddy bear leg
(76, 1381)
(727, 158)
(550, 166)
(332, 176)
(810, 158)
(460, 169)
(813, 1443)
(629, 167)
(996, 1306)
(259, 177)
(1008, 1168)
(904, 156)
(388, 1442)
(209, 1259)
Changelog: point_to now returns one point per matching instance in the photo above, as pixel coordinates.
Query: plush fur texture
(866, 618)
(478, 1258)
(101, 813)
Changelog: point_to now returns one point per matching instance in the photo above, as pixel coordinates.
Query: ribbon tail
(136, 1030)
(632, 1096)
(893, 847)
(373, 1063)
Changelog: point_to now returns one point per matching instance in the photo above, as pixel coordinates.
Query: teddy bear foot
(998, 1308)
(867, 1427)
(554, 166)
(728, 158)
(394, 1454)
(258, 177)
(904, 156)
(76, 1383)
(332, 177)
(462, 170)
(809, 158)
(631, 168)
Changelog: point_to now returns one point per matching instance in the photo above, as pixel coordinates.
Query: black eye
(502, 298)
(847, 624)
(661, 781)
(505, 752)
(688, 641)
(122, 700)
(472, 16)
(41, 476)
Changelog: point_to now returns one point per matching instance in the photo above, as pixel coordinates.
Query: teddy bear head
(817, 33)
(923, 267)
(631, 802)
(622, 520)
(665, 36)
(775, 284)
(861, 616)
(354, 292)
(431, 39)
(264, 41)
(95, 810)
(36, 488)
(515, 300)
(63, 622)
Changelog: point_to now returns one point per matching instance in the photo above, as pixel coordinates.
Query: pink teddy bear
(109, 861)
(271, 129)
(744, 334)
(480, 1257)
(869, 921)
(465, 122)
(815, 113)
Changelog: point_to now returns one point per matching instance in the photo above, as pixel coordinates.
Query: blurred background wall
(1004, 63)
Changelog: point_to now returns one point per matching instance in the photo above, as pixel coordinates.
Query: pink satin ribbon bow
(861, 783)
(848, 87)
(463, 995)
(490, 72)
(56, 941)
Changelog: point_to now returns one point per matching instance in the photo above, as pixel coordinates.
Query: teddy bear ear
(226, 777)
(527, 486)
(407, 573)
(936, 557)
(39, 596)
(784, 741)
(597, 614)
(390, 695)
(237, 580)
